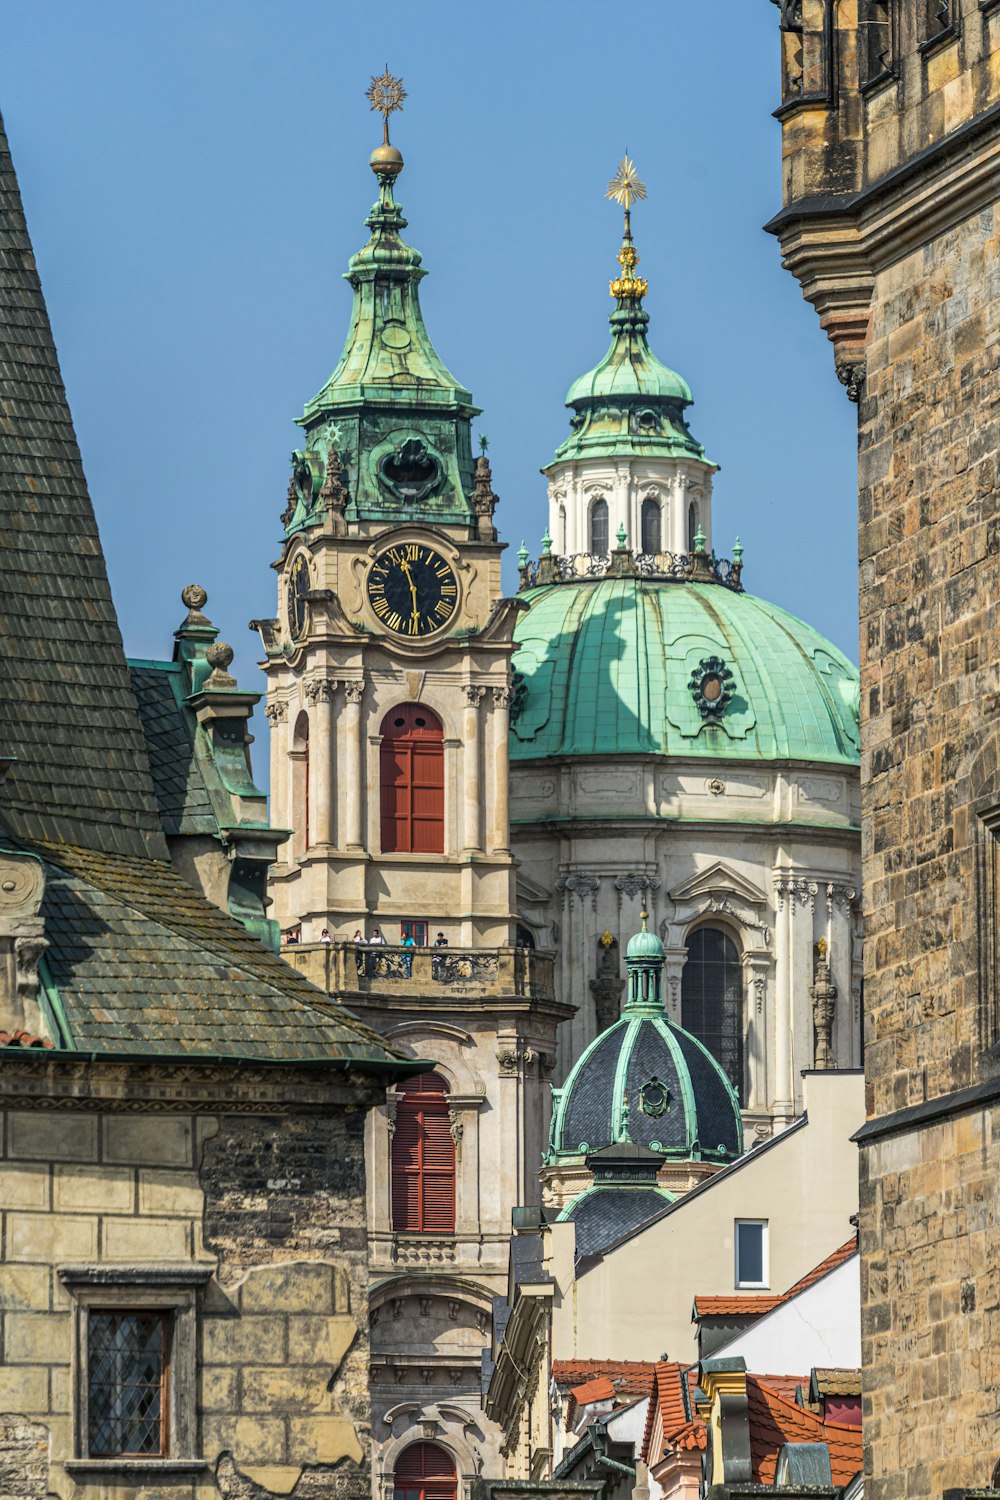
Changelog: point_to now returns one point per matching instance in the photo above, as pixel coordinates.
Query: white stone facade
(680, 488)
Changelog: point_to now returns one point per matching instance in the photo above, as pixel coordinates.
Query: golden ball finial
(386, 161)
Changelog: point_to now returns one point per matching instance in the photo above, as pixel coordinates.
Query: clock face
(298, 588)
(412, 589)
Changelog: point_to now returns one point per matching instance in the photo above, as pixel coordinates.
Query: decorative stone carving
(425, 1306)
(501, 697)
(474, 694)
(456, 1129)
(851, 374)
(22, 940)
(377, 964)
(321, 689)
(823, 993)
(277, 713)
(745, 918)
(354, 691)
(630, 885)
(581, 885)
(712, 686)
(608, 986)
(333, 493)
(509, 1061)
(458, 968)
(220, 658)
(715, 787)
(453, 1309)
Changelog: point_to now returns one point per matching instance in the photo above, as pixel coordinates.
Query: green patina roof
(139, 962)
(605, 668)
(390, 388)
(630, 404)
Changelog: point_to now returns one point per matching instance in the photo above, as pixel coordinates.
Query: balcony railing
(675, 567)
(341, 967)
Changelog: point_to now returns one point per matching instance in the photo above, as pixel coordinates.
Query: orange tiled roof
(22, 1039)
(668, 1399)
(756, 1305)
(776, 1420)
(600, 1389)
(629, 1377)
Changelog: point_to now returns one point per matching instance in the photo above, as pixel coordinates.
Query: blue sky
(195, 177)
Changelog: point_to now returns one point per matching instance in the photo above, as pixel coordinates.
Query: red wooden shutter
(412, 781)
(424, 1471)
(423, 1159)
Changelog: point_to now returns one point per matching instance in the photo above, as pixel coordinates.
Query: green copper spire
(630, 403)
(396, 416)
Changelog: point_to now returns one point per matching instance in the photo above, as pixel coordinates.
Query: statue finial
(626, 188)
(386, 94)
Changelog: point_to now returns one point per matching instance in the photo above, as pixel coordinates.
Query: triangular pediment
(716, 879)
(531, 891)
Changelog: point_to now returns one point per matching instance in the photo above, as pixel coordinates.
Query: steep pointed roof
(137, 961)
(69, 719)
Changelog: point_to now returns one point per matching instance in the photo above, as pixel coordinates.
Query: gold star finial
(386, 95)
(627, 188)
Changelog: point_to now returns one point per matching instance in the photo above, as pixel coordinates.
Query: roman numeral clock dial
(412, 590)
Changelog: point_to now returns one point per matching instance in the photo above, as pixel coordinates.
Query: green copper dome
(637, 666)
(647, 1083)
(645, 944)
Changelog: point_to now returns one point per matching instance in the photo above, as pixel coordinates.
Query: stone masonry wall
(275, 1207)
(930, 674)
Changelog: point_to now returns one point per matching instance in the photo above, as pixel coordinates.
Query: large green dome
(639, 666)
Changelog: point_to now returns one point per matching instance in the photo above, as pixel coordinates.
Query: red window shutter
(424, 1471)
(423, 1159)
(412, 781)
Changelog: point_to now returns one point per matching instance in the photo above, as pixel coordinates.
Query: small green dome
(645, 944)
(640, 666)
(631, 403)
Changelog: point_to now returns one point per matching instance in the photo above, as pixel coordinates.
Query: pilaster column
(781, 1103)
(756, 969)
(319, 693)
(472, 814)
(277, 714)
(352, 783)
(499, 791)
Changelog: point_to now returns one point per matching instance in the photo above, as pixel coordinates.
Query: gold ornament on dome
(386, 94)
(627, 188)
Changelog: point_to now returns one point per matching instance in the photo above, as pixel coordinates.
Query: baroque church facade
(499, 788)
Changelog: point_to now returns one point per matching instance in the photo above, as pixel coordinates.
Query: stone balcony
(343, 968)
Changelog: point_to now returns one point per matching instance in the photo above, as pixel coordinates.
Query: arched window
(423, 1159)
(300, 781)
(412, 781)
(424, 1471)
(692, 525)
(712, 999)
(599, 528)
(651, 526)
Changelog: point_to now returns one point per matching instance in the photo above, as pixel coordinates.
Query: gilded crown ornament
(386, 95)
(626, 188)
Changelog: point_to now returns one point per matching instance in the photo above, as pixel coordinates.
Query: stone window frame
(169, 1289)
(872, 79)
(949, 31)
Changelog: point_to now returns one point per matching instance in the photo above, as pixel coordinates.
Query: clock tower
(388, 666)
(388, 660)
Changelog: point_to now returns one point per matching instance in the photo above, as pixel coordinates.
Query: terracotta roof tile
(679, 1426)
(600, 1389)
(756, 1305)
(629, 1377)
(775, 1421)
(22, 1039)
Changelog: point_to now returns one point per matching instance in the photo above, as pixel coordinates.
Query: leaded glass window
(127, 1365)
(599, 528)
(651, 526)
(712, 999)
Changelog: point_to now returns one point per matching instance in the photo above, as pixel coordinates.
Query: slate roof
(169, 726)
(143, 964)
(775, 1421)
(138, 961)
(756, 1305)
(69, 716)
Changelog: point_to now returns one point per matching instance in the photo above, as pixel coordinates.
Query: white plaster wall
(820, 1327)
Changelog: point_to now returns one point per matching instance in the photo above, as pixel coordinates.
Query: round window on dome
(654, 1098)
(711, 687)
